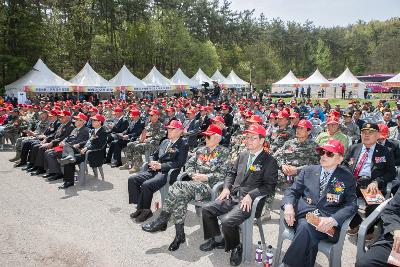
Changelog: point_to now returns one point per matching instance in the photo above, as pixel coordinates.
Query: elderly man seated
(327, 191)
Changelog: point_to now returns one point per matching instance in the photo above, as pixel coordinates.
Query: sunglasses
(329, 154)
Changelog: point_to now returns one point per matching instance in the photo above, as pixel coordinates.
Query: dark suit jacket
(51, 129)
(135, 130)
(62, 132)
(204, 123)
(381, 172)
(391, 215)
(97, 141)
(394, 147)
(192, 131)
(228, 118)
(78, 136)
(261, 181)
(173, 158)
(120, 126)
(304, 194)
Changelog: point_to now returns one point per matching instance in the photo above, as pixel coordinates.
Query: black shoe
(20, 164)
(236, 256)
(47, 175)
(32, 169)
(27, 167)
(135, 214)
(115, 165)
(38, 172)
(159, 224)
(144, 215)
(106, 161)
(55, 177)
(179, 237)
(211, 244)
(66, 185)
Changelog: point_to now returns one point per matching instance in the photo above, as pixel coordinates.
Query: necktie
(323, 182)
(360, 164)
(249, 162)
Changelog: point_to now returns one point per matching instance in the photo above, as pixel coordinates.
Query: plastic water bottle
(259, 253)
(269, 254)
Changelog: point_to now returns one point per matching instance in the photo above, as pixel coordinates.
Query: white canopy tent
(392, 82)
(317, 82)
(87, 80)
(219, 78)
(181, 81)
(156, 81)
(41, 80)
(290, 82)
(126, 81)
(234, 81)
(201, 78)
(353, 84)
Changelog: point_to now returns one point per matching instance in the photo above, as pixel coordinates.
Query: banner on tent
(180, 87)
(391, 84)
(94, 89)
(47, 89)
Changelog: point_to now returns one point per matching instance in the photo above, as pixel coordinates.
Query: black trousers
(33, 153)
(26, 147)
(69, 169)
(142, 185)
(304, 247)
(39, 161)
(115, 149)
(231, 216)
(378, 253)
(357, 220)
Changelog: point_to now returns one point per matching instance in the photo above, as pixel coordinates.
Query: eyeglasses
(329, 154)
(208, 136)
(251, 138)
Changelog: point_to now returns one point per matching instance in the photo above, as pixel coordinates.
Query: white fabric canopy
(217, 76)
(125, 80)
(40, 79)
(201, 78)
(235, 81)
(183, 82)
(315, 79)
(87, 80)
(353, 84)
(156, 81)
(289, 80)
(393, 82)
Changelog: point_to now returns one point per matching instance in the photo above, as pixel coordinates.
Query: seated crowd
(320, 157)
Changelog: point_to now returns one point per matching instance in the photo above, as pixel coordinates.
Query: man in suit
(75, 155)
(78, 137)
(392, 144)
(228, 117)
(135, 128)
(204, 120)
(378, 253)
(171, 154)
(372, 166)
(327, 190)
(119, 125)
(254, 173)
(356, 118)
(191, 128)
(387, 119)
(62, 132)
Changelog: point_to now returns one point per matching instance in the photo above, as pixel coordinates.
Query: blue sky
(326, 13)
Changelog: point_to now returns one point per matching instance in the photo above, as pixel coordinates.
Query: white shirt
(366, 168)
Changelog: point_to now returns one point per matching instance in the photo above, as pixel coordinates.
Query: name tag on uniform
(380, 159)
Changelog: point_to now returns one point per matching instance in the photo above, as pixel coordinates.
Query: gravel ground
(90, 226)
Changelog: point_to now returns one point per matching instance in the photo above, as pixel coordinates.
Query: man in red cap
(76, 154)
(281, 133)
(253, 174)
(147, 142)
(226, 135)
(332, 132)
(205, 168)
(119, 125)
(131, 134)
(349, 128)
(171, 154)
(328, 191)
(191, 128)
(228, 117)
(392, 144)
(204, 119)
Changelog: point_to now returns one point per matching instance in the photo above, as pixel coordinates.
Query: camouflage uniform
(279, 136)
(324, 137)
(11, 131)
(41, 128)
(155, 132)
(295, 154)
(351, 130)
(237, 145)
(182, 192)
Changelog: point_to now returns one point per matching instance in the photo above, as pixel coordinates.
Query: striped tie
(323, 183)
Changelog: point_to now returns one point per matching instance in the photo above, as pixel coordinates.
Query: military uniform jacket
(382, 165)
(62, 132)
(41, 127)
(171, 156)
(338, 200)
(154, 133)
(259, 180)
(78, 136)
(214, 164)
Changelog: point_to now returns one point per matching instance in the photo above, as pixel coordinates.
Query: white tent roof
(315, 78)
(181, 79)
(217, 76)
(235, 80)
(289, 79)
(393, 82)
(40, 76)
(125, 78)
(201, 77)
(156, 81)
(88, 77)
(346, 77)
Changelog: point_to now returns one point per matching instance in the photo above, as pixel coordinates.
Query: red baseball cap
(256, 129)
(272, 116)
(294, 115)
(224, 107)
(134, 113)
(118, 110)
(332, 120)
(81, 116)
(170, 109)
(334, 113)
(255, 119)
(305, 124)
(203, 108)
(65, 113)
(384, 131)
(283, 114)
(191, 111)
(175, 124)
(98, 117)
(334, 146)
(219, 119)
(213, 129)
(94, 109)
(54, 112)
(154, 112)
